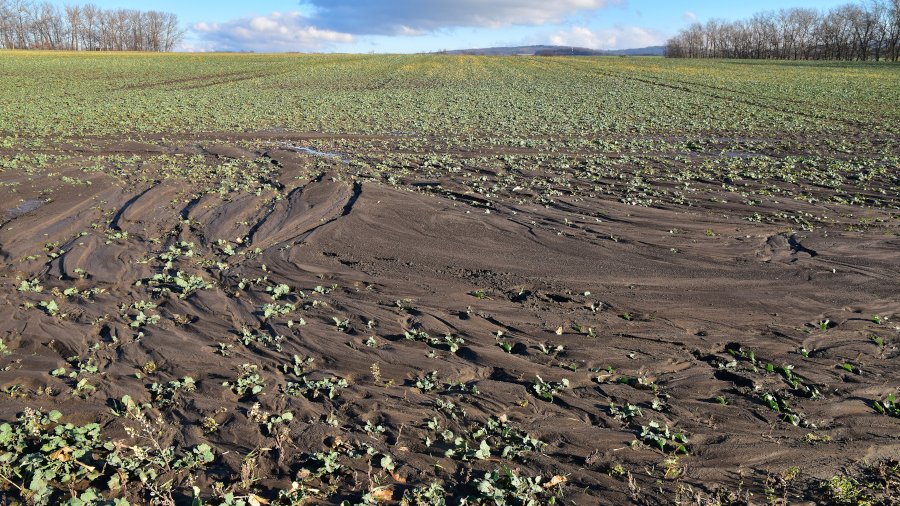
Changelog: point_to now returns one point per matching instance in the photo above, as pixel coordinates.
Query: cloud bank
(289, 31)
(329, 25)
(406, 17)
(619, 37)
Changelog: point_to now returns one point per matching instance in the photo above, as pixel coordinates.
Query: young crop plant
(479, 294)
(342, 325)
(850, 367)
(47, 462)
(462, 451)
(79, 367)
(51, 307)
(515, 443)
(373, 430)
(843, 490)
(149, 367)
(180, 283)
(33, 285)
(274, 309)
(548, 390)
(461, 387)
(428, 382)
(326, 463)
(798, 383)
(83, 294)
(452, 343)
(479, 440)
(275, 424)
(661, 437)
(549, 348)
(278, 291)
(248, 383)
(53, 250)
(261, 339)
(299, 366)
(226, 247)
(324, 290)
(888, 406)
(314, 389)
(507, 486)
(141, 320)
(165, 395)
(626, 413)
(432, 494)
(779, 404)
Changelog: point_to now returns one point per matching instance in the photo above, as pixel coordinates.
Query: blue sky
(403, 26)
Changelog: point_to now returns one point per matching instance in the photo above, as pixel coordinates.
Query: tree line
(868, 30)
(26, 24)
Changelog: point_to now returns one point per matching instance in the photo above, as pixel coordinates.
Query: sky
(409, 26)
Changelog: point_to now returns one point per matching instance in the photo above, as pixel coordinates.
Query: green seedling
(659, 436)
(165, 395)
(314, 389)
(626, 413)
(31, 286)
(428, 382)
(260, 339)
(278, 291)
(299, 365)
(849, 367)
(547, 391)
(341, 325)
(248, 383)
(506, 486)
(888, 406)
(271, 310)
(451, 342)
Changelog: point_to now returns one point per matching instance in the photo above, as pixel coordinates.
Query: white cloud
(290, 31)
(399, 17)
(690, 16)
(619, 37)
(195, 46)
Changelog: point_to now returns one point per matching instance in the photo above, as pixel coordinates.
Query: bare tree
(73, 17)
(26, 24)
(869, 30)
(893, 37)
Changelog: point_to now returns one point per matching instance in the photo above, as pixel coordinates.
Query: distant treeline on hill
(31, 25)
(860, 31)
(556, 51)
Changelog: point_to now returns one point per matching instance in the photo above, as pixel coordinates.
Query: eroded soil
(700, 313)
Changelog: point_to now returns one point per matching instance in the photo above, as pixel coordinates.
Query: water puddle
(316, 152)
(24, 208)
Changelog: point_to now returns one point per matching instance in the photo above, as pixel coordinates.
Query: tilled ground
(427, 318)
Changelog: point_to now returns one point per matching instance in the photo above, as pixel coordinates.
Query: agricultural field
(424, 280)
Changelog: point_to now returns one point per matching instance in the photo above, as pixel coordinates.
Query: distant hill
(558, 51)
(640, 51)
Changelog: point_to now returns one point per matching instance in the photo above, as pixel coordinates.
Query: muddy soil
(694, 315)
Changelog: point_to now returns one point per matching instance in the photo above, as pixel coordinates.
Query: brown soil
(672, 289)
